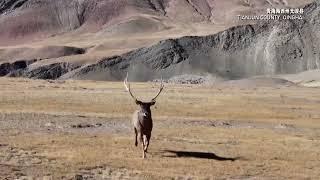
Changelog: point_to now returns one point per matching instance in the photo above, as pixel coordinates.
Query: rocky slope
(265, 48)
(22, 21)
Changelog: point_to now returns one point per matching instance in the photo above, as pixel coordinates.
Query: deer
(142, 119)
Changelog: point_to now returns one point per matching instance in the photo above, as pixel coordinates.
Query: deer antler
(160, 90)
(127, 86)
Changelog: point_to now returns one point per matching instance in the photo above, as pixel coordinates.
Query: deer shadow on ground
(200, 155)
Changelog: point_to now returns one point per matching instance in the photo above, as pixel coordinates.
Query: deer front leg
(148, 136)
(143, 153)
(142, 144)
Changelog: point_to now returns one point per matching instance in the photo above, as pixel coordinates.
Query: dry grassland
(73, 129)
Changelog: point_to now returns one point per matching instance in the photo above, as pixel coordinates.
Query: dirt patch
(99, 173)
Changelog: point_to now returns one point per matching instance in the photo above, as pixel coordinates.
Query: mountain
(24, 21)
(153, 37)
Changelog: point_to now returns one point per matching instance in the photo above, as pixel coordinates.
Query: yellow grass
(263, 153)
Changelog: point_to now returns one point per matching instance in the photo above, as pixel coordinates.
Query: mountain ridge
(264, 48)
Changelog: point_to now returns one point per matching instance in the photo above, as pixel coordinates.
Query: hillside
(29, 20)
(153, 37)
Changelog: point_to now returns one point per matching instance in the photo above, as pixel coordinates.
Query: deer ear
(138, 102)
(153, 103)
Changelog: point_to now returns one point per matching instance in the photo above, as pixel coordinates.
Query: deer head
(144, 105)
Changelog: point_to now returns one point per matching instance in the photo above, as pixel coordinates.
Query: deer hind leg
(136, 137)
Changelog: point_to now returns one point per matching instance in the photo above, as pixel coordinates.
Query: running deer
(142, 120)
